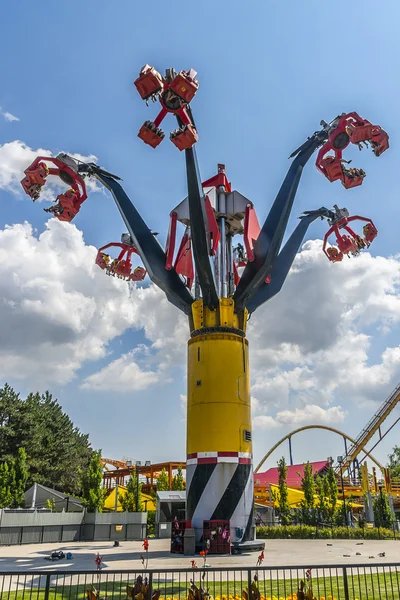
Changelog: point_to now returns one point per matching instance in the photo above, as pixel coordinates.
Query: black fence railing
(328, 582)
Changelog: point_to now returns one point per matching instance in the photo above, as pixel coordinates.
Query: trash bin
(189, 542)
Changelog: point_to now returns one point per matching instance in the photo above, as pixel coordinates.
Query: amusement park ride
(216, 284)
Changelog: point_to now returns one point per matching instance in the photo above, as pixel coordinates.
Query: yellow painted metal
(197, 314)
(109, 502)
(219, 411)
(223, 316)
(388, 481)
(332, 429)
(374, 425)
(364, 478)
(374, 480)
(295, 498)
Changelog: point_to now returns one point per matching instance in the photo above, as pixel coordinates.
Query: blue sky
(269, 72)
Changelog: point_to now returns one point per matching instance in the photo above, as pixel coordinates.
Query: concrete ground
(278, 553)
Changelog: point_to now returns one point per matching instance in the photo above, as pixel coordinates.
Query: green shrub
(151, 523)
(308, 532)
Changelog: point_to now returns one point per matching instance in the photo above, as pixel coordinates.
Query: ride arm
(284, 261)
(269, 241)
(199, 231)
(149, 249)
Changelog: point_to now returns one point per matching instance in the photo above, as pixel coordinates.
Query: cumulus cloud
(122, 374)
(309, 346)
(58, 309)
(16, 156)
(311, 414)
(8, 116)
(166, 331)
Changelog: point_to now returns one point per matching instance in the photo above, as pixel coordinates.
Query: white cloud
(264, 422)
(16, 156)
(309, 349)
(8, 116)
(311, 414)
(58, 309)
(122, 374)
(166, 330)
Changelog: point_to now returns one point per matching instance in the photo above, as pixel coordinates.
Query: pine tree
(7, 482)
(92, 492)
(282, 496)
(132, 500)
(55, 449)
(21, 477)
(178, 483)
(163, 482)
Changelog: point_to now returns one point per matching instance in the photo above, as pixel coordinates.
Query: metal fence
(329, 582)
(42, 527)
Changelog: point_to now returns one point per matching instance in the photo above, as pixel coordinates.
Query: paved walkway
(127, 556)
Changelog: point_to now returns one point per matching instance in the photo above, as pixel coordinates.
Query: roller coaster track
(370, 429)
(306, 428)
(118, 464)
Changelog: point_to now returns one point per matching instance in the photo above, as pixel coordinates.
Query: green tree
(21, 478)
(281, 497)
(92, 493)
(382, 514)
(7, 483)
(132, 500)
(178, 483)
(163, 482)
(394, 463)
(55, 449)
(307, 504)
(51, 504)
(322, 491)
(333, 492)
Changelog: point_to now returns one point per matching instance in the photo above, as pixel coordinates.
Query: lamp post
(340, 463)
(147, 464)
(138, 464)
(381, 511)
(128, 464)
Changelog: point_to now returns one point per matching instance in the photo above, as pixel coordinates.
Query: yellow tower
(219, 440)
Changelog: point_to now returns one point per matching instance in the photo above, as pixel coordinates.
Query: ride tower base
(219, 471)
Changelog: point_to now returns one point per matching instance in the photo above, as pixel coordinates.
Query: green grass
(383, 586)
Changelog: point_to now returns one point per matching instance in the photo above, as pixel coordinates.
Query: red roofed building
(294, 474)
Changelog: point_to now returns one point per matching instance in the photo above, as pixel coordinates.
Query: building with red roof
(294, 474)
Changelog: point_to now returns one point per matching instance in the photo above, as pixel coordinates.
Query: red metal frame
(68, 203)
(120, 266)
(251, 231)
(349, 244)
(219, 180)
(351, 128)
(181, 90)
(184, 259)
(213, 228)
